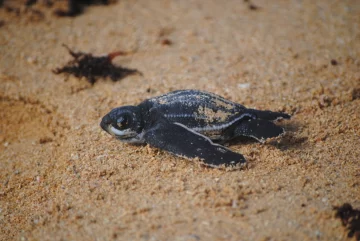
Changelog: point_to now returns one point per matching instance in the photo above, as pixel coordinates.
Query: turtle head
(124, 123)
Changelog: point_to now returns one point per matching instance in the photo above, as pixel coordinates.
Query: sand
(63, 178)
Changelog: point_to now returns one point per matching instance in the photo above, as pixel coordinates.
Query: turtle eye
(122, 123)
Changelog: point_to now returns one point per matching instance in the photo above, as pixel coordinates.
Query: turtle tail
(269, 115)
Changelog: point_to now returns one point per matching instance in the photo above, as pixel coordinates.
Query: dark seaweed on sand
(76, 7)
(92, 67)
(350, 218)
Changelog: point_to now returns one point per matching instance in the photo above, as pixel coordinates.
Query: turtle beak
(105, 122)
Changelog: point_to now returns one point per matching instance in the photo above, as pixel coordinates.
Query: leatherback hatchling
(186, 122)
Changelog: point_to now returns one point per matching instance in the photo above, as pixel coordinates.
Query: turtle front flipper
(184, 142)
(268, 115)
(257, 129)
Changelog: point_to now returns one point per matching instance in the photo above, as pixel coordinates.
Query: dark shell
(201, 111)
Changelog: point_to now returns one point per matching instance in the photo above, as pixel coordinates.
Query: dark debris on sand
(92, 67)
(350, 219)
(72, 8)
(76, 7)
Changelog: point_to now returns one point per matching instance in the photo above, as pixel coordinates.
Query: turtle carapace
(186, 122)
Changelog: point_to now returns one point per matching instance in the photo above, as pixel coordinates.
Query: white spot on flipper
(221, 150)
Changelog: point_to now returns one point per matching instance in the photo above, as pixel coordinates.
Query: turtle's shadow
(288, 141)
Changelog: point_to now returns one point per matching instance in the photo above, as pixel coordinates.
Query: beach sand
(63, 178)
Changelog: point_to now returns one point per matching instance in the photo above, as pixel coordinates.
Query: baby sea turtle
(186, 122)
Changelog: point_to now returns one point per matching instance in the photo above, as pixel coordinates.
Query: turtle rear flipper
(269, 115)
(258, 129)
(184, 142)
